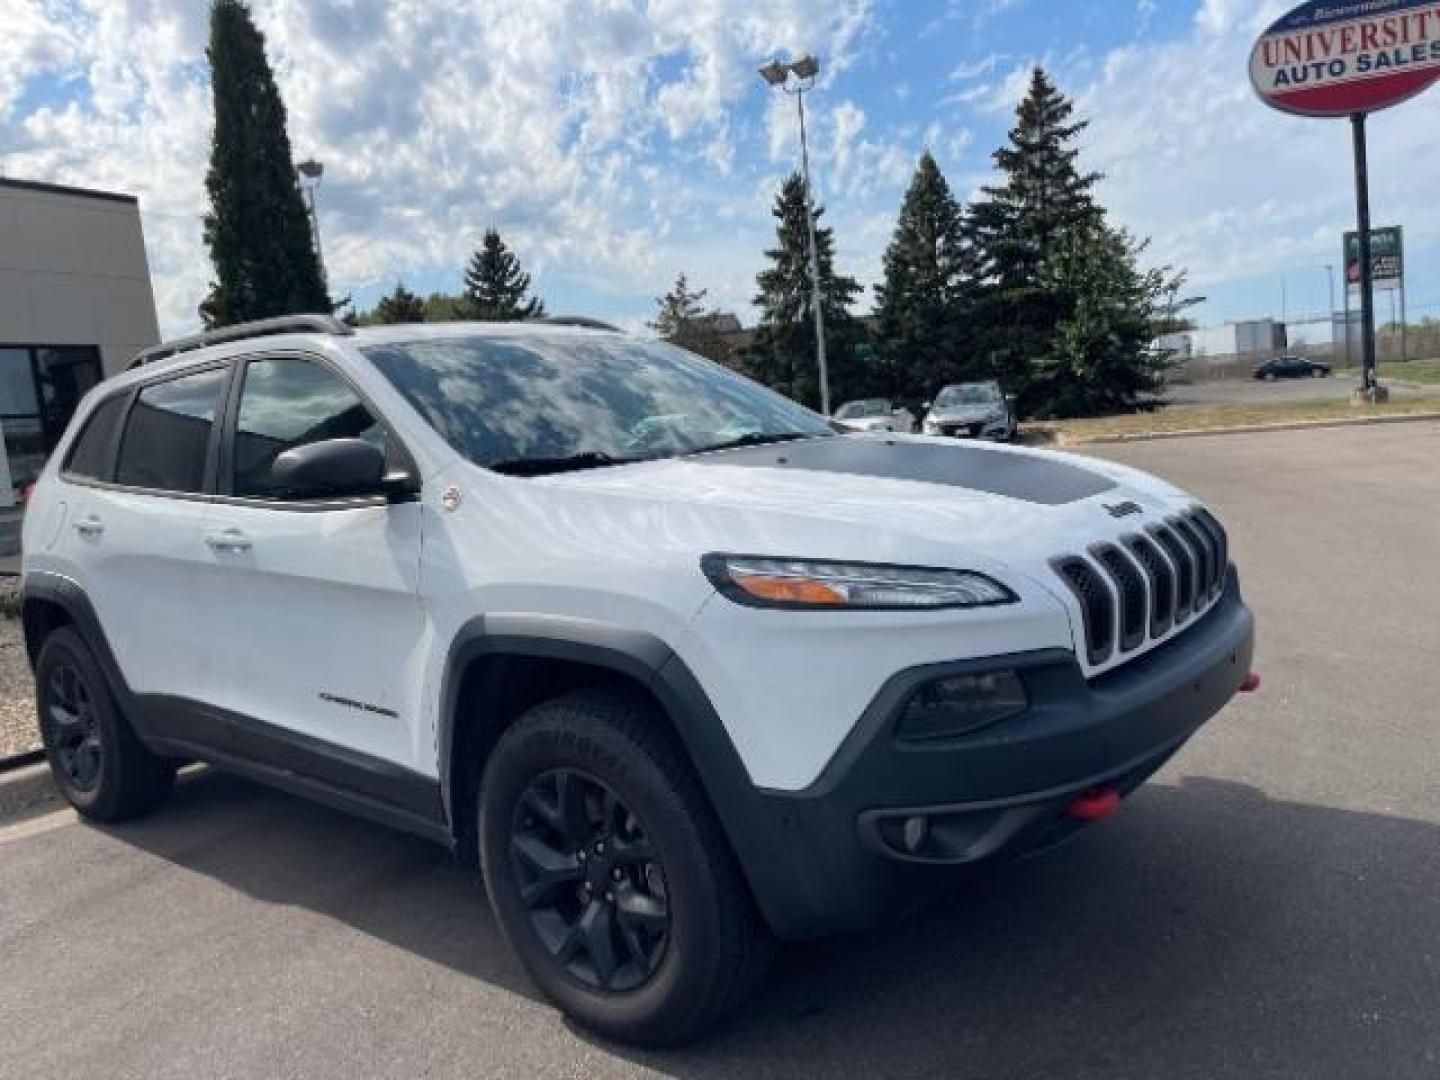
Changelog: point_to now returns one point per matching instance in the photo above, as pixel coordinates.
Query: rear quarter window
(89, 455)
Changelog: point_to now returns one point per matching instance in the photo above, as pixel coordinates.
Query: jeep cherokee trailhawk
(683, 669)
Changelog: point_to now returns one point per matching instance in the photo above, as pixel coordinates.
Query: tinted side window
(168, 434)
(90, 453)
(286, 403)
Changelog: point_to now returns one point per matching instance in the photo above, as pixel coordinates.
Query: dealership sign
(1346, 57)
(1387, 256)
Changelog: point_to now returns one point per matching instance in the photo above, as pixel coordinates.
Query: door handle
(91, 526)
(229, 540)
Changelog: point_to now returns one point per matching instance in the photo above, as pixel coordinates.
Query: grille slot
(1162, 582)
(1130, 586)
(1210, 524)
(1184, 562)
(1205, 557)
(1097, 606)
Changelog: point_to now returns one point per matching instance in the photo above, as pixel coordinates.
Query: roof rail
(576, 320)
(285, 324)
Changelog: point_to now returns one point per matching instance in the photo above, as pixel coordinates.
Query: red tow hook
(1251, 683)
(1097, 804)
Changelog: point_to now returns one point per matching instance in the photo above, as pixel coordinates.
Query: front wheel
(610, 875)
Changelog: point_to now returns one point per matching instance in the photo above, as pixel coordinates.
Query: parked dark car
(1291, 367)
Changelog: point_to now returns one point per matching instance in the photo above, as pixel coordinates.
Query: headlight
(961, 704)
(805, 584)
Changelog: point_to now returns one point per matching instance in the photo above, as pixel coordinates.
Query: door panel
(141, 559)
(317, 617)
(317, 621)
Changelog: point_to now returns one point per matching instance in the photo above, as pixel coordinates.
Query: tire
(97, 762)
(606, 753)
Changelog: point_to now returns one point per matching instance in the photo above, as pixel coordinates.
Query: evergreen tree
(1103, 357)
(257, 230)
(496, 288)
(682, 320)
(443, 307)
(782, 354)
(679, 310)
(1063, 314)
(921, 315)
(401, 306)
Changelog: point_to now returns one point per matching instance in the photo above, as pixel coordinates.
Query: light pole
(805, 70)
(311, 171)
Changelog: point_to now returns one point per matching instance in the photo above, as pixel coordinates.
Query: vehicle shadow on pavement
(1208, 931)
(398, 888)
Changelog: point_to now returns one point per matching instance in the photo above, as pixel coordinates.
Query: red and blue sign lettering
(1341, 57)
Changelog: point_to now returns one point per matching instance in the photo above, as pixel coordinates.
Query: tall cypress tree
(782, 353)
(921, 306)
(257, 231)
(496, 288)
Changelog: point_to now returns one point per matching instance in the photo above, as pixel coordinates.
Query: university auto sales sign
(1341, 57)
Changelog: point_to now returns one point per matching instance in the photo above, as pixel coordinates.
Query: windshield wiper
(755, 438)
(544, 466)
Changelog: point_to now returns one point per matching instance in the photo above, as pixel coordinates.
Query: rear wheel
(610, 875)
(99, 765)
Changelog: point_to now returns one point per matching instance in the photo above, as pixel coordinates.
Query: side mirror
(331, 469)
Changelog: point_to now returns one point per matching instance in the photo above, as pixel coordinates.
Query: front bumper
(834, 856)
(995, 431)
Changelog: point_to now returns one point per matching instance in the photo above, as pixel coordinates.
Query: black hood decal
(961, 465)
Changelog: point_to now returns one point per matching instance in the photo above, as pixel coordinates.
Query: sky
(616, 142)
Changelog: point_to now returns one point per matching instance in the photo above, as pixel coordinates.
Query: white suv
(681, 667)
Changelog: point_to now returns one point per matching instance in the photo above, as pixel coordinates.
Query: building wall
(73, 272)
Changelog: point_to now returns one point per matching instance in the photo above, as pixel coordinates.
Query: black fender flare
(748, 822)
(65, 593)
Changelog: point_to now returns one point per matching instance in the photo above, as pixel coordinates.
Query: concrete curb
(1251, 429)
(21, 761)
(25, 792)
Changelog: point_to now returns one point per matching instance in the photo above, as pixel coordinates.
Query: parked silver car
(972, 411)
(876, 414)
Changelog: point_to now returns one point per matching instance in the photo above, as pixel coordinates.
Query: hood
(888, 498)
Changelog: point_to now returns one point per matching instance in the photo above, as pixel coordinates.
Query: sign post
(1367, 281)
(1330, 59)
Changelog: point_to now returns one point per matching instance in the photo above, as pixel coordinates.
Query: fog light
(961, 704)
(915, 832)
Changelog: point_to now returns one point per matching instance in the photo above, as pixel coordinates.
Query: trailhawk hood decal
(1030, 478)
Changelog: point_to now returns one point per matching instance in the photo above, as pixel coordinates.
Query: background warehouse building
(75, 305)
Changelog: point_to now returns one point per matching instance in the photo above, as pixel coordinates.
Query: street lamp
(795, 78)
(311, 171)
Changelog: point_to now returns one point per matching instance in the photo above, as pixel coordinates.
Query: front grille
(1148, 585)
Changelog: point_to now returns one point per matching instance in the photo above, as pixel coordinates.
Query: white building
(75, 305)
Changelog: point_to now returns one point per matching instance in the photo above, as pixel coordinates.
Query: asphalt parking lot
(1266, 908)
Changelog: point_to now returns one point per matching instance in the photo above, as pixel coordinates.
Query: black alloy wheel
(590, 881)
(75, 727)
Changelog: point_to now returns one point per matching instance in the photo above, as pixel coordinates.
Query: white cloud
(576, 126)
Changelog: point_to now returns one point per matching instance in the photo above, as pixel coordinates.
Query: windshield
(971, 394)
(857, 410)
(582, 401)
